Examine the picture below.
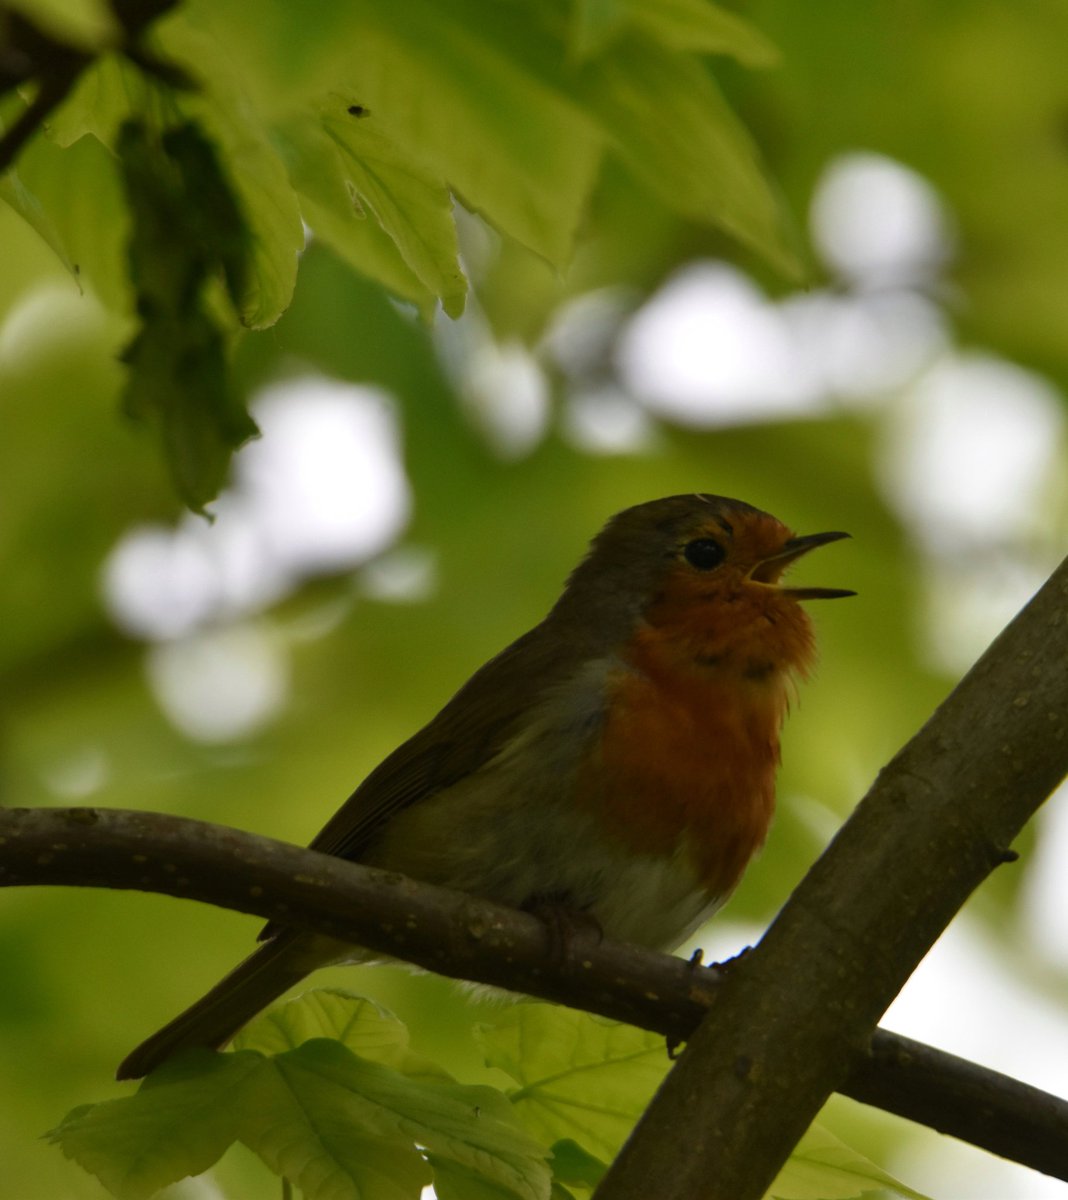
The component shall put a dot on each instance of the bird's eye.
(704, 553)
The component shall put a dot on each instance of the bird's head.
(705, 569)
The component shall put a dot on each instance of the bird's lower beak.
(770, 570)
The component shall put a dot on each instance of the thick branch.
(940, 1090)
(792, 1022)
(466, 938)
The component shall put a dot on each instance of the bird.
(616, 762)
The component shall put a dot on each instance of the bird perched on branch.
(618, 761)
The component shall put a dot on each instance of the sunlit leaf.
(107, 93)
(179, 1123)
(671, 125)
(695, 26)
(338, 1126)
(19, 197)
(580, 1077)
(411, 203)
(701, 27)
(452, 1181)
(321, 1092)
(513, 148)
(77, 194)
(364, 1027)
(823, 1168)
(269, 207)
(327, 1140)
(336, 216)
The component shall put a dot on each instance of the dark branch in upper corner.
(30, 55)
(467, 938)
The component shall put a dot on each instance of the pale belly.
(522, 853)
(518, 831)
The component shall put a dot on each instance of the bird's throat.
(688, 755)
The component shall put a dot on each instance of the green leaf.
(179, 1123)
(179, 381)
(109, 92)
(655, 102)
(87, 24)
(337, 1126)
(700, 27)
(273, 215)
(79, 198)
(322, 1093)
(455, 1182)
(593, 24)
(336, 216)
(689, 26)
(112, 91)
(513, 147)
(364, 1027)
(676, 133)
(187, 230)
(585, 1082)
(581, 1077)
(212, 214)
(326, 1139)
(823, 1168)
(347, 164)
(19, 197)
(254, 168)
(573, 1164)
(411, 202)
(269, 206)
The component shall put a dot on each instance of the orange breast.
(687, 760)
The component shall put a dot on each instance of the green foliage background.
(595, 138)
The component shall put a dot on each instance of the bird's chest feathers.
(686, 761)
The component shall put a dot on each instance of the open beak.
(769, 570)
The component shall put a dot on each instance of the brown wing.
(464, 735)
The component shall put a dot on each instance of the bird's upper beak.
(769, 570)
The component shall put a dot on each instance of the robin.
(617, 761)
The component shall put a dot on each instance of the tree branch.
(797, 1015)
(466, 938)
(30, 54)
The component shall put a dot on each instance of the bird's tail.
(214, 1019)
